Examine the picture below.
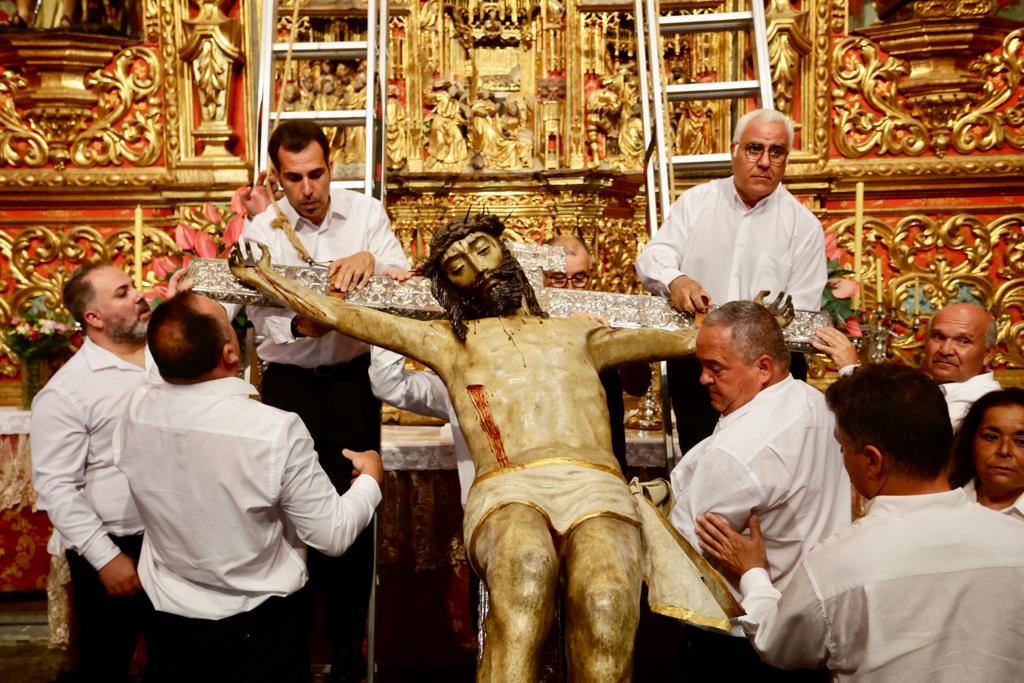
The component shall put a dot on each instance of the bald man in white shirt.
(729, 239)
(230, 492)
(772, 452)
(84, 495)
(928, 586)
(960, 345)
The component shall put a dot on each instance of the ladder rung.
(702, 162)
(348, 184)
(693, 23)
(335, 117)
(723, 90)
(332, 50)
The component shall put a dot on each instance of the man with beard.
(548, 492)
(85, 496)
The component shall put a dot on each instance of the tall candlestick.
(917, 296)
(858, 244)
(138, 248)
(879, 289)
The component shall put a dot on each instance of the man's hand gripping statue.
(548, 496)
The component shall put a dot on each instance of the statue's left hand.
(352, 272)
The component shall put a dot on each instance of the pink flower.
(853, 327)
(164, 266)
(843, 288)
(832, 250)
(236, 201)
(205, 246)
(232, 232)
(185, 237)
(212, 213)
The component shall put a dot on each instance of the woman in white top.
(988, 458)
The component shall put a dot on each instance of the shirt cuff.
(753, 579)
(368, 486)
(847, 370)
(99, 550)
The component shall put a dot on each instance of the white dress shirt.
(73, 420)
(1016, 510)
(423, 393)
(354, 223)
(777, 456)
(960, 396)
(734, 252)
(230, 492)
(924, 588)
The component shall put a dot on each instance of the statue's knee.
(527, 575)
(607, 609)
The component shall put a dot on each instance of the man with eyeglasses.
(633, 378)
(727, 240)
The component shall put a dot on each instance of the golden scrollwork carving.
(860, 72)
(953, 258)
(41, 258)
(67, 110)
(212, 50)
(788, 43)
(944, 84)
(127, 124)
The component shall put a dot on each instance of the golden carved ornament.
(912, 107)
(788, 43)
(52, 111)
(41, 259)
(955, 258)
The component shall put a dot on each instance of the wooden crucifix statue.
(548, 496)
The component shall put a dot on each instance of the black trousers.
(338, 408)
(267, 644)
(108, 627)
(706, 656)
(691, 404)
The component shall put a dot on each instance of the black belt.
(356, 367)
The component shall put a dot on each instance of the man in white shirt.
(85, 497)
(315, 371)
(961, 343)
(230, 493)
(729, 239)
(773, 452)
(927, 587)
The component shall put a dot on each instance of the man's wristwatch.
(295, 328)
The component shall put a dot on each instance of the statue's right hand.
(365, 462)
(686, 294)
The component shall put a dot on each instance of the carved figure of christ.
(532, 408)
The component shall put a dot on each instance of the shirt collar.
(224, 386)
(971, 491)
(742, 205)
(764, 396)
(100, 358)
(339, 208)
(954, 388)
(897, 506)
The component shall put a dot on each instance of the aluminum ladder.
(373, 50)
(660, 167)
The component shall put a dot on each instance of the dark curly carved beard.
(496, 293)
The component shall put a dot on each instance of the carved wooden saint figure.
(548, 496)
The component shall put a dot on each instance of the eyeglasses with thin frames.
(776, 153)
(561, 280)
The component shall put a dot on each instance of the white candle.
(858, 244)
(138, 248)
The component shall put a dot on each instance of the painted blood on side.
(478, 394)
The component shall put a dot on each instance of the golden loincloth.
(565, 492)
(680, 582)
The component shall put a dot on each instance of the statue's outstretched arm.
(424, 341)
(611, 347)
